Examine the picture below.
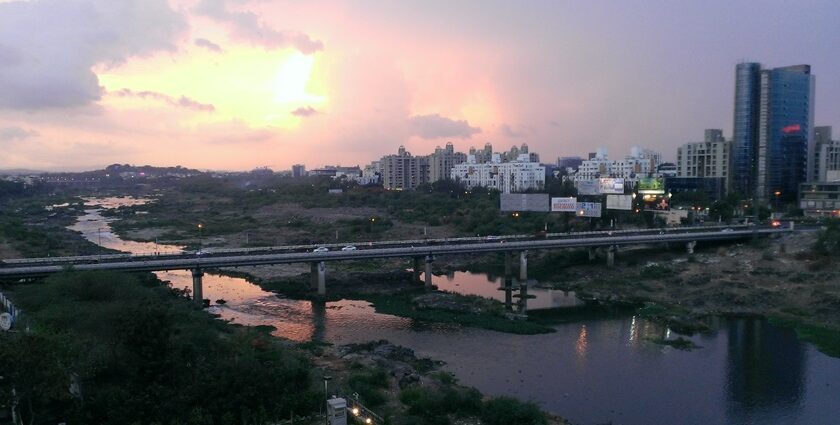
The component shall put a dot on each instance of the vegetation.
(438, 406)
(825, 338)
(828, 242)
(402, 304)
(370, 384)
(132, 353)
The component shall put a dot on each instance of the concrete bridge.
(420, 251)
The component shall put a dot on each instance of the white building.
(507, 177)
(640, 163)
(704, 159)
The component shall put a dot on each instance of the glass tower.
(773, 134)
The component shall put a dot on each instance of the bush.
(506, 411)
(435, 407)
(828, 242)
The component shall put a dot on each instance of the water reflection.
(765, 370)
(498, 288)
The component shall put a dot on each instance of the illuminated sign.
(651, 185)
(792, 128)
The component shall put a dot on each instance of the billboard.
(588, 209)
(657, 203)
(563, 204)
(524, 202)
(651, 185)
(611, 185)
(620, 202)
(588, 187)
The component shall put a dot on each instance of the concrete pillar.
(690, 246)
(318, 277)
(791, 226)
(198, 289)
(416, 272)
(508, 266)
(591, 254)
(428, 271)
(523, 297)
(523, 266)
(611, 256)
(322, 279)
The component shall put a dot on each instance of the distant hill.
(19, 171)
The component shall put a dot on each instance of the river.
(746, 371)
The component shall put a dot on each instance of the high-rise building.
(826, 156)
(709, 158)
(404, 171)
(442, 161)
(713, 135)
(298, 170)
(773, 150)
(507, 177)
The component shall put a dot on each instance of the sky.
(239, 84)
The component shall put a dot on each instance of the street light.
(777, 193)
(200, 226)
(326, 398)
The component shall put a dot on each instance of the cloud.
(58, 42)
(248, 27)
(304, 111)
(209, 45)
(15, 133)
(436, 126)
(182, 102)
(508, 131)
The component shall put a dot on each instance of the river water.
(747, 371)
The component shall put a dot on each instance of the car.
(492, 238)
(727, 230)
(321, 249)
(349, 248)
(775, 223)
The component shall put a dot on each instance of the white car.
(321, 249)
(349, 248)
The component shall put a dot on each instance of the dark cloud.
(15, 133)
(182, 102)
(57, 42)
(247, 26)
(209, 45)
(435, 126)
(304, 111)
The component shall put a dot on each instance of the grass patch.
(826, 339)
(401, 305)
(680, 343)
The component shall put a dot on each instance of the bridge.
(417, 250)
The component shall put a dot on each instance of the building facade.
(507, 177)
(404, 171)
(442, 161)
(709, 158)
(773, 150)
(820, 199)
(640, 163)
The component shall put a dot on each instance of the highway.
(41, 267)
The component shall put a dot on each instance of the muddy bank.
(404, 389)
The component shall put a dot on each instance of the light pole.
(200, 244)
(777, 193)
(326, 398)
(99, 232)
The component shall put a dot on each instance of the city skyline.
(215, 84)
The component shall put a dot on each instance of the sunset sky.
(238, 84)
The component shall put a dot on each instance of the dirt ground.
(778, 277)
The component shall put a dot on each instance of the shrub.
(506, 411)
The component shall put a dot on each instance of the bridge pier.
(198, 289)
(428, 271)
(523, 297)
(591, 254)
(416, 269)
(523, 266)
(611, 255)
(689, 246)
(318, 274)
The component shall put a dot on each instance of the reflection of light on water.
(633, 331)
(582, 342)
(466, 283)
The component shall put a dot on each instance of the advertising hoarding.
(588, 187)
(524, 202)
(620, 202)
(563, 204)
(651, 185)
(588, 209)
(656, 202)
(611, 185)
